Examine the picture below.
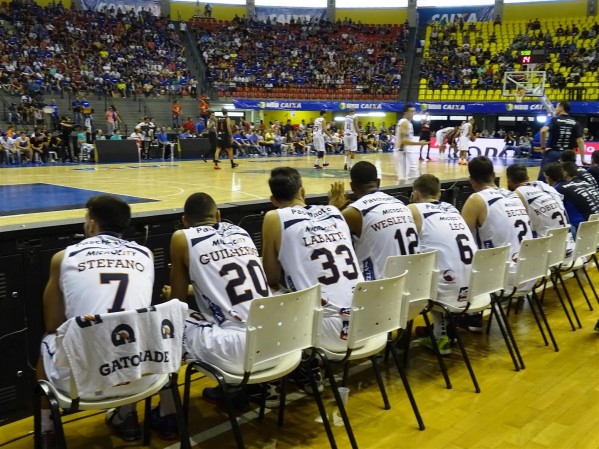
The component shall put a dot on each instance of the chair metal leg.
(536, 317)
(561, 280)
(463, 351)
(510, 342)
(330, 375)
(231, 412)
(43, 390)
(187, 389)
(555, 283)
(181, 421)
(535, 299)
(442, 366)
(406, 385)
(263, 391)
(282, 399)
(379, 381)
(584, 293)
(345, 374)
(586, 274)
(147, 414)
(323, 413)
(405, 339)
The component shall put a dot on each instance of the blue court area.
(33, 198)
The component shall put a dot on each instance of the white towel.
(110, 349)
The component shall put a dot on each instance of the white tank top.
(349, 128)
(545, 209)
(225, 271)
(388, 229)
(318, 128)
(507, 222)
(444, 229)
(406, 148)
(104, 274)
(316, 248)
(465, 130)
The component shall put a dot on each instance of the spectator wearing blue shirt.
(200, 126)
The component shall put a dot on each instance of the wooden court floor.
(552, 404)
(170, 183)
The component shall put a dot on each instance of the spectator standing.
(176, 112)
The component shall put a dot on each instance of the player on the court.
(495, 216)
(407, 146)
(304, 245)
(350, 138)
(441, 135)
(543, 203)
(318, 133)
(101, 274)
(224, 129)
(381, 225)
(466, 137)
(442, 228)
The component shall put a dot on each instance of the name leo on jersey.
(134, 360)
(323, 238)
(390, 222)
(227, 253)
(111, 263)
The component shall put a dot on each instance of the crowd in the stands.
(51, 48)
(314, 54)
(459, 57)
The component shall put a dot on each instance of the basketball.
(472, 138)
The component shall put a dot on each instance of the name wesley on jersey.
(391, 221)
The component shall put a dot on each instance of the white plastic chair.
(376, 310)
(595, 217)
(585, 248)
(489, 271)
(70, 402)
(531, 267)
(279, 328)
(422, 283)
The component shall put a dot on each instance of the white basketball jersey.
(406, 148)
(104, 274)
(465, 130)
(315, 248)
(349, 129)
(225, 271)
(318, 128)
(444, 229)
(507, 222)
(388, 229)
(546, 210)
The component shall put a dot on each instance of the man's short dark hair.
(407, 107)
(570, 168)
(111, 213)
(363, 173)
(284, 183)
(323, 112)
(199, 207)
(428, 186)
(555, 171)
(568, 156)
(565, 105)
(481, 170)
(595, 157)
(517, 173)
(224, 111)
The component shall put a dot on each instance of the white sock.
(167, 403)
(122, 413)
(345, 160)
(47, 423)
